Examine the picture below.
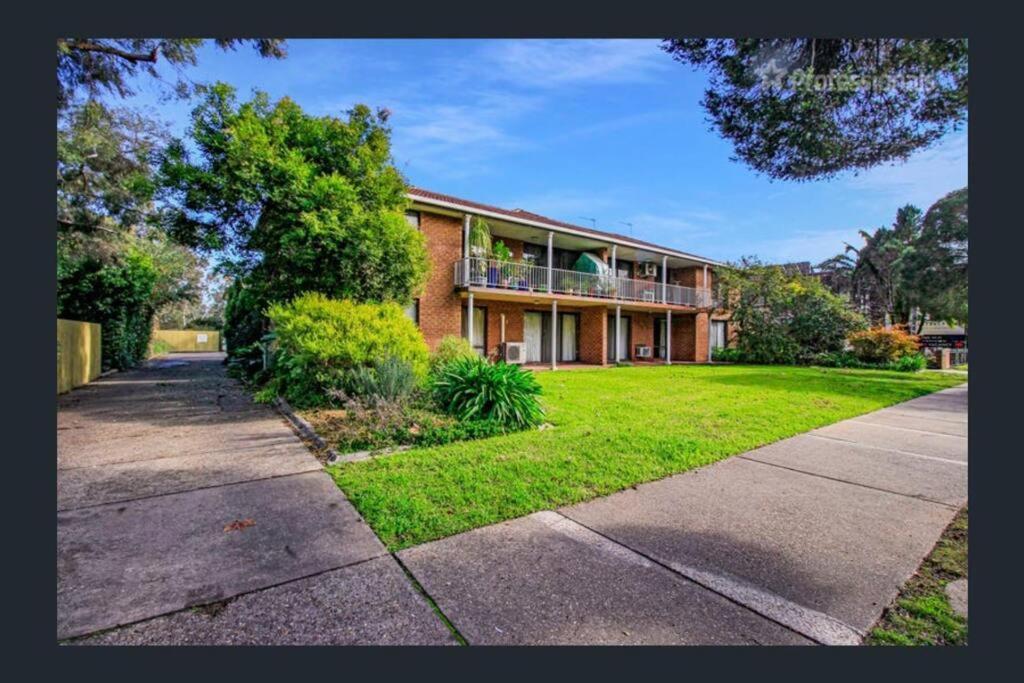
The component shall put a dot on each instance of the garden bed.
(361, 428)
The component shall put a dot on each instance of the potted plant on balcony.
(479, 250)
(503, 268)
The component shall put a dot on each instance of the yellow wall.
(186, 340)
(78, 354)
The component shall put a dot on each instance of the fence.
(183, 341)
(78, 354)
(480, 272)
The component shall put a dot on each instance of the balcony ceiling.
(532, 235)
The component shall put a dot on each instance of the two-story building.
(566, 294)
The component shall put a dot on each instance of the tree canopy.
(303, 203)
(810, 108)
(915, 268)
(100, 65)
(785, 317)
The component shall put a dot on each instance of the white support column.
(618, 327)
(554, 334)
(465, 249)
(469, 319)
(664, 279)
(615, 272)
(668, 337)
(707, 294)
(551, 259)
(709, 337)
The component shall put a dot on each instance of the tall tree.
(303, 203)
(937, 270)
(100, 65)
(104, 168)
(916, 268)
(810, 108)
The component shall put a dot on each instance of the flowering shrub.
(879, 345)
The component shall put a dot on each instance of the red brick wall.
(594, 335)
(642, 332)
(701, 338)
(440, 306)
(513, 323)
(683, 337)
(515, 246)
(691, 277)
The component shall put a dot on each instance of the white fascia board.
(557, 228)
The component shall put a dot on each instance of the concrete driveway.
(803, 541)
(194, 516)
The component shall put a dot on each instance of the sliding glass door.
(661, 338)
(623, 338)
(533, 323)
(537, 337)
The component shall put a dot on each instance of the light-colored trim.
(558, 228)
(554, 334)
(668, 337)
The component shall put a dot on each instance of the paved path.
(803, 541)
(174, 490)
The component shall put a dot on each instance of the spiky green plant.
(474, 389)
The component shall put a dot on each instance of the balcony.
(524, 277)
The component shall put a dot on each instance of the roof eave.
(456, 206)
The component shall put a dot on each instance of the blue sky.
(605, 129)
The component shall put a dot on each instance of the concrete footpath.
(186, 514)
(803, 541)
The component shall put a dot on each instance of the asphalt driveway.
(186, 514)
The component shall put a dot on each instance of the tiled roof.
(537, 218)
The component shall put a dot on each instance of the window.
(535, 254)
(479, 328)
(718, 334)
(413, 311)
(413, 218)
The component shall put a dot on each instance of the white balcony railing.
(480, 272)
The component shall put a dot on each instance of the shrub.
(911, 363)
(389, 381)
(321, 341)
(724, 354)
(784, 318)
(837, 359)
(450, 348)
(879, 345)
(117, 294)
(473, 389)
(244, 326)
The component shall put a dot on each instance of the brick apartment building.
(657, 301)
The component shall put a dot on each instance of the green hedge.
(321, 340)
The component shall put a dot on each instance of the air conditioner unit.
(643, 351)
(648, 269)
(513, 352)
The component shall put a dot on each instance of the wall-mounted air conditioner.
(643, 351)
(513, 352)
(648, 269)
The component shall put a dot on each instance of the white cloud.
(551, 63)
(802, 245)
(921, 180)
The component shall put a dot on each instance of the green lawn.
(613, 428)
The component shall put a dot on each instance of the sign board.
(202, 338)
(944, 341)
